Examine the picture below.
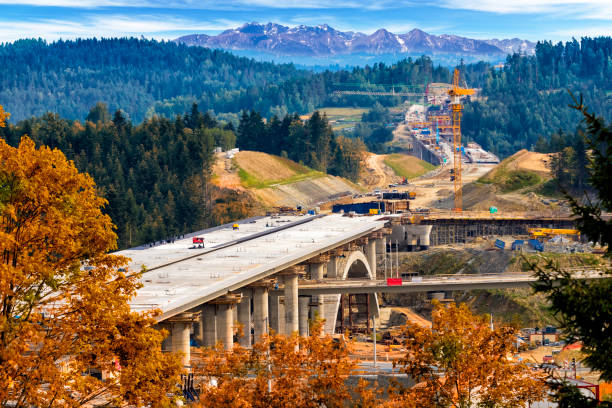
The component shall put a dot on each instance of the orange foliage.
(461, 362)
(301, 371)
(3, 116)
(63, 299)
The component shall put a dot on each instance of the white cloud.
(593, 9)
(217, 5)
(582, 32)
(108, 26)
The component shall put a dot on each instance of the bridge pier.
(225, 318)
(180, 341)
(304, 302)
(226, 327)
(370, 252)
(290, 279)
(261, 318)
(208, 325)
(317, 269)
(274, 312)
(244, 318)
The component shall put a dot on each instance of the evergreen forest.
(525, 99)
(156, 175)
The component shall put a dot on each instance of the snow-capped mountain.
(324, 40)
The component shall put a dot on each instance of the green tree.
(99, 113)
(583, 307)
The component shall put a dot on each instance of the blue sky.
(529, 19)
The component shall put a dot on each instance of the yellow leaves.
(473, 359)
(3, 116)
(64, 299)
(302, 372)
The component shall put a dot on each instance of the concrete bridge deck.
(181, 278)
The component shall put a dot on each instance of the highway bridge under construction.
(274, 273)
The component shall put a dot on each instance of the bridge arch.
(355, 265)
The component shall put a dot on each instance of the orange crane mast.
(456, 93)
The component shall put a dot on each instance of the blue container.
(500, 244)
(359, 208)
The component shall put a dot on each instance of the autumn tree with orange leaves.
(279, 371)
(461, 362)
(63, 299)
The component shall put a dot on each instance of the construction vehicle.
(456, 93)
(235, 227)
(545, 233)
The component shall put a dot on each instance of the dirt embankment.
(380, 170)
(274, 181)
(521, 161)
(513, 185)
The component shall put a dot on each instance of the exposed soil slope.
(274, 181)
(384, 169)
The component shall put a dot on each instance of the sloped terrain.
(515, 184)
(274, 181)
(383, 169)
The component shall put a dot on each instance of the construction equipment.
(542, 233)
(456, 93)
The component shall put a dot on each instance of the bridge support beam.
(274, 312)
(180, 341)
(290, 279)
(260, 311)
(304, 302)
(370, 252)
(208, 325)
(316, 274)
(291, 303)
(381, 248)
(225, 323)
(225, 318)
(244, 318)
(332, 267)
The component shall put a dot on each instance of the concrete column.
(291, 304)
(332, 267)
(209, 325)
(225, 325)
(370, 252)
(244, 318)
(316, 274)
(282, 323)
(167, 342)
(316, 271)
(304, 302)
(260, 311)
(273, 307)
(180, 341)
(381, 245)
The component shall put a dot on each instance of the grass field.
(519, 171)
(343, 117)
(407, 166)
(260, 170)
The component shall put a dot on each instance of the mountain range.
(323, 40)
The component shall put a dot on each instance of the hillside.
(275, 181)
(380, 170)
(517, 183)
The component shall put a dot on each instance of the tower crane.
(456, 93)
